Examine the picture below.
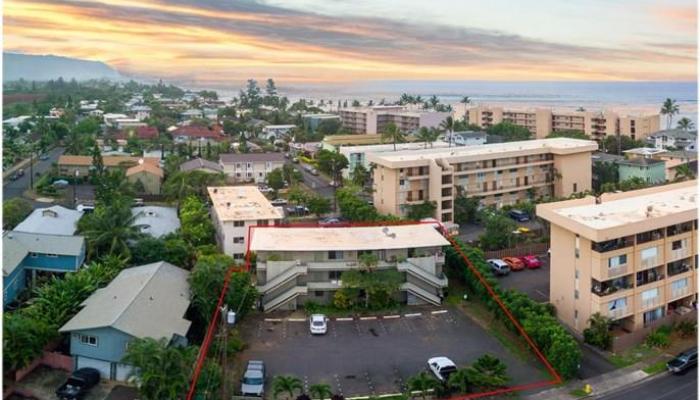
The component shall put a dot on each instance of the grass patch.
(656, 368)
(634, 355)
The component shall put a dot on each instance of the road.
(316, 182)
(12, 189)
(668, 387)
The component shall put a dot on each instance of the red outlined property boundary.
(556, 378)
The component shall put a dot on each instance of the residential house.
(24, 254)
(299, 264)
(200, 164)
(650, 170)
(630, 256)
(139, 132)
(110, 119)
(275, 132)
(146, 176)
(141, 112)
(234, 209)
(148, 301)
(191, 113)
(68, 165)
(673, 138)
(156, 221)
(467, 138)
(248, 167)
(196, 135)
(54, 220)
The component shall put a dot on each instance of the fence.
(535, 248)
(50, 359)
(631, 339)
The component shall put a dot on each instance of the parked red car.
(514, 263)
(531, 261)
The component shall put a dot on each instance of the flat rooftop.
(241, 203)
(390, 147)
(555, 145)
(632, 212)
(346, 238)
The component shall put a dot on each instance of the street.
(316, 182)
(16, 188)
(676, 387)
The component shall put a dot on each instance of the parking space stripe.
(273, 320)
(413, 315)
(344, 319)
(438, 312)
(391, 316)
(296, 319)
(368, 318)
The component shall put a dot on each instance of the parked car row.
(501, 267)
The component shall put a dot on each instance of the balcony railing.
(605, 290)
(611, 245)
(618, 312)
(678, 268)
(619, 270)
(680, 292)
(651, 302)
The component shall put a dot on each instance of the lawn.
(657, 367)
(634, 355)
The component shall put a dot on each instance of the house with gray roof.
(54, 220)
(147, 301)
(650, 170)
(249, 167)
(676, 138)
(200, 164)
(156, 221)
(26, 254)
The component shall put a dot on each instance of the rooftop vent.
(228, 204)
(216, 190)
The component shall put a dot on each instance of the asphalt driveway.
(374, 356)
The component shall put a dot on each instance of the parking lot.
(377, 355)
(533, 282)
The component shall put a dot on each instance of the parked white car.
(498, 266)
(318, 324)
(441, 367)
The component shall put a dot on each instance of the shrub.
(686, 328)
(659, 338)
(598, 334)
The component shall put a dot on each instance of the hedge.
(538, 320)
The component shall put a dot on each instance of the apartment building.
(630, 256)
(541, 122)
(249, 167)
(373, 120)
(299, 264)
(234, 209)
(357, 155)
(498, 174)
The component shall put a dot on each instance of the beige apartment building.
(498, 174)
(541, 122)
(299, 264)
(629, 256)
(250, 167)
(373, 120)
(234, 209)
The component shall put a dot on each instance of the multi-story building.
(649, 170)
(357, 155)
(498, 174)
(249, 167)
(673, 138)
(632, 256)
(298, 264)
(313, 120)
(234, 209)
(541, 122)
(373, 120)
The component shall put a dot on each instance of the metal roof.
(56, 220)
(16, 246)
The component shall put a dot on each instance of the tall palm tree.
(684, 172)
(109, 229)
(425, 136)
(669, 109)
(286, 384)
(465, 100)
(685, 123)
(459, 380)
(393, 133)
(448, 126)
(320, 391)
(422, 383)
(434, 101)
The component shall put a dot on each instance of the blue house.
(24, 254)
(145, 301)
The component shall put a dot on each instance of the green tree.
(320, 391)
(427, 136)
(604, 173)
(684, 173)
(393, 134)
(329, 127)
(171, 248)
(569, 133)
(669, 108)
(23, 339)
(353, 207)
(498, 233)
(509, 132)
(297, 195)
(416, 212)
(15, 211)
(465, 207)
(207, 281)
(275, 179)
(488, 372)
(111, 185)
(360, 176)
(162, 371)
(287, 384)
(318, 205)
(619, 143)
(332, 163)
(109, 229)
(98, 165)
(196, 227)
(423, 383)
(459, 381)
(598, 331)
(686, 124)
(448, 126)
(182, 184)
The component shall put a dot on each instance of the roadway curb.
(364, 318)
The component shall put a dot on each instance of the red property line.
(212, 324)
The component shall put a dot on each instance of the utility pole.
(31, 169)
(224, 364)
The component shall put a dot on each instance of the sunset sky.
(218, 42)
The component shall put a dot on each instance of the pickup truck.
(78, 384)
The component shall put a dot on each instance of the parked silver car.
(253, 382)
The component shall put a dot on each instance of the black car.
(78, 384)
(684, 361)
(519, 215)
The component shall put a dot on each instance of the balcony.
(612, 245)
(650, 236)
(650, 303)
(650, 276)
(609, 287)
(678, 267)
(679, 229)
(619, 312)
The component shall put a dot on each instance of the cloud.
(237, 37)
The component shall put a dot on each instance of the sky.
(218, 42)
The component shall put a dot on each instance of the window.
(88, 340)
(650, 294)
(401, 182)
(677, 245)
(617, 304)
(576, 294)
(576, 246)
(576, 274)
(249, 165)
(334, 276)
(238, 256)
(238, 239)
(649, 253)
(679, 284)
(238, 223)
(575, 313)
(318, 293)
(614, 262)
(335, 255)
(575, 187)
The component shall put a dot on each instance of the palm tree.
(448, 125)
(393, 134)
(425, 136)
(488, 372)
(684, 172)
(669, 109)
(368, 261)
(320, 391)
(685, 123)
(109, 229)
(434, 101)
(459, 381)
(422, 383)
(465, 100)
(286, 384)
